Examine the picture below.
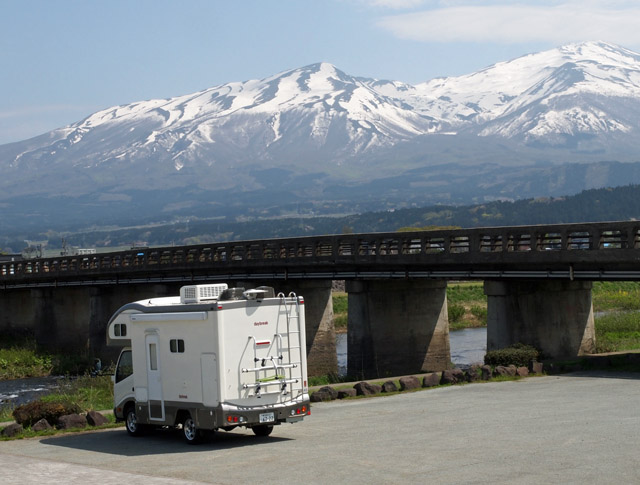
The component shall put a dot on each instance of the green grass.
(618, 331)
(340, 306)
(21, 358)
(616, 295)
(467, 305)
(467, 292)
(6, 413)
(89, 393)
(18, 362)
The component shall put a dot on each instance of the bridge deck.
(576, 251)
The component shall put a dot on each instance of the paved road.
(579, 428)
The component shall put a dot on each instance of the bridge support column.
(556, 317)
(397, 327)
(70, 319)
(16, 314)
(320, 331)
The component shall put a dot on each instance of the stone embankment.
(452, 376)
(68, 421)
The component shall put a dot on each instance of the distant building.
(9, 258)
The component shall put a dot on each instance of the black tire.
(134, 428)
(190, 433)
(262, 429)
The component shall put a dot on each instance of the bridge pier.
(320, 331)
(556, 317)
(71, 319)
(397, 327)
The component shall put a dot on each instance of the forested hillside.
(621, 203)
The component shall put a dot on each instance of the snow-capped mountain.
(317, 108)
(555, 92)
(319, 133)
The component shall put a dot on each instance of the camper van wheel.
(133, 427)
(262, 430)
(191, 434)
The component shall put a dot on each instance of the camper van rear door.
(154, 379)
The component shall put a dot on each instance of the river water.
(20, 391)
(468, 346)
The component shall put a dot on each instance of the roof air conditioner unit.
(201, 293)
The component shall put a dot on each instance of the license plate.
(267, 417)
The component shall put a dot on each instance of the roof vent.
(201, 293)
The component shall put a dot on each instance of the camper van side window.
(153, 357)
(120, 330)
(125, 366)
(176, 345)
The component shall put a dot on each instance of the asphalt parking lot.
(575, 428)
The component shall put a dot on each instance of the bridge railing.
(447, 246)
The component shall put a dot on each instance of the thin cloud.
(565, 22)
(395, 4)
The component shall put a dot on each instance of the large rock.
(522, 371)
(431, 380)
(452, 376)
(473, 373)
(487, 373)
(41, 425)
(344, 393)
(367, 389)
(389, 386)
(12, 430)
(94, 418)
(326, 393)
(509, 371)
(409, 382)
(69, 421)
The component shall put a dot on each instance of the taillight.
(232, 419)
(301, 410)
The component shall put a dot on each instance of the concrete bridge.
(537, 278)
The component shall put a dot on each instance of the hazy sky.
(65, 59)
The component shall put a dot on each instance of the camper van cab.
(212, 358)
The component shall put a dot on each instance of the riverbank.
(87, 392)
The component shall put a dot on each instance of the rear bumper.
(289, 412)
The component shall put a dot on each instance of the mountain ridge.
(317, 135)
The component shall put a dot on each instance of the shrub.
(518, 354)
(31, 413)
(455, 312)
(340, 321)
(480, 313)
(17, 362)
(340, 302)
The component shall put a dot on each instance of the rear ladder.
(282, 375)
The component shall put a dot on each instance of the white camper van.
(212, 358)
